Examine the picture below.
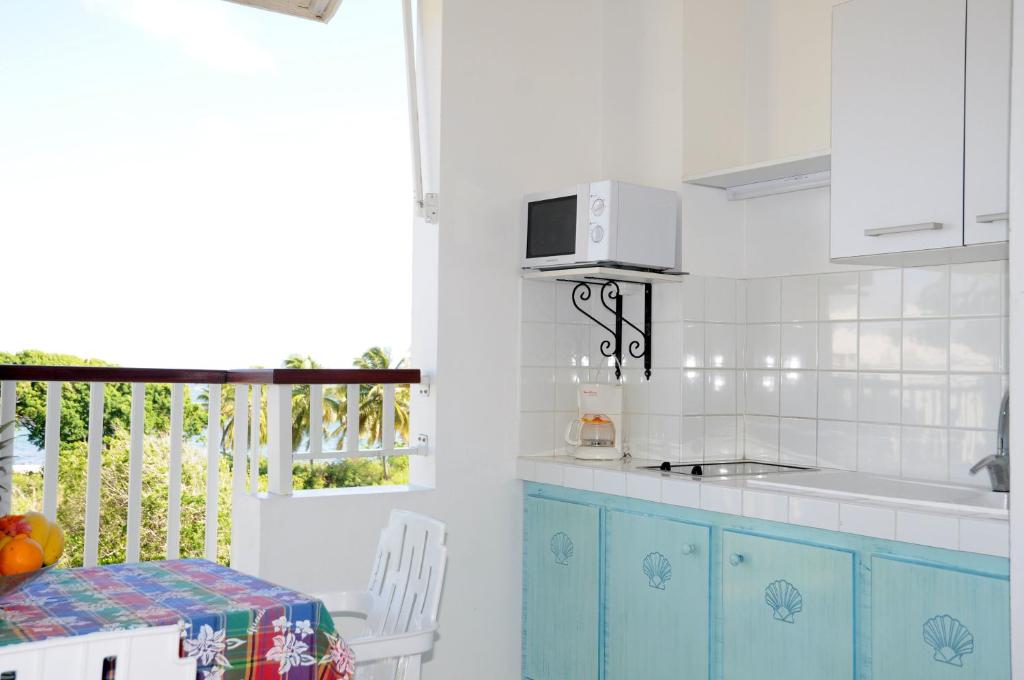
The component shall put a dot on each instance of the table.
(235, 626)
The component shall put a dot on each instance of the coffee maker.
(596, 432)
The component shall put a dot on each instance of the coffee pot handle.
(572, 432)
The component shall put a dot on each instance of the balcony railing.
(246, 451)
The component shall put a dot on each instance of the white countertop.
(947, 516)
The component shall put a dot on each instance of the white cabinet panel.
(986, 151)
(897, 126)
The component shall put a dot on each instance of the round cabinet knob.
(596, 233)
(689, 549)
(597, 207)
(735, 559)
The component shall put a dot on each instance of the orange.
(20, 555)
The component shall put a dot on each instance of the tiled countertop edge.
(950, 531)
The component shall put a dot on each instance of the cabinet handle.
(689, 549)
(992, 217)
(735, 559)
(903, 229)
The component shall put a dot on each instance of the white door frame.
(1017, 337)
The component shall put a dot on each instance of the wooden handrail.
(252, 376)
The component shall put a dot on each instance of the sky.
(200, 184)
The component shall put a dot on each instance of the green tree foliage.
(28, 495)
(74, 421)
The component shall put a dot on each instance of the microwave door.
(552, 233)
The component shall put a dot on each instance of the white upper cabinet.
(897, 125)
(915, 83)
(987, 147)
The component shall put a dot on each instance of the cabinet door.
(787, 609)
(938, 623)
(561, 541)
(897, 126)
(987, 127)
(656, 598)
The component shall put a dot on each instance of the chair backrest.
(408, 574)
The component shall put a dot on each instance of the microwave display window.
(551, 227)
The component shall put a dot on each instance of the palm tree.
(227, 414)
(332, 406)
(371, 402)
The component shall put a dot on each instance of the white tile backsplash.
(837, 395)
(925, 400)
(799, 346)
(693, 344)
(798, 394)
(878, 449)
(926, 291)
(977, 288)
(879, 398)
(974, 400)
(762, 395)
(975, 344)
(719, 345)
(904, 368)
(879, 345)
(881, 294)
(720, 390)
(837, 296)
(837, 346)
(837, 444)
(798, 441)
(924, 453)
(925, 345)
(762, 346)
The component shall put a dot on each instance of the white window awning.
(317, 10)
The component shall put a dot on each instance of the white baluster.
(8, 400)
(51, 445)
(174, 472)
(136, 437)
(352, 427)
(256, 413)
(316, 419)
(212, 470)
(388, 419)
(279, 434)
(92, 485)
(241, 412)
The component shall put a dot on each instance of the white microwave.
(606, 223)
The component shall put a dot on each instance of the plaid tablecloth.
(236, 626)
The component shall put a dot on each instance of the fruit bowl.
(15, 582)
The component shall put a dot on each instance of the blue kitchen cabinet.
(787, 609)
(657, 597)
(562, 590)
(938, 622)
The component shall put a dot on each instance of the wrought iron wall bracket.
(610, 296)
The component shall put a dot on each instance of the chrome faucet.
(998, 465)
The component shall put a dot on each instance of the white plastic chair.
(400, 605)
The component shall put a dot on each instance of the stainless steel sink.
(726, 469)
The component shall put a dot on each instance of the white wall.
(509, 120)
(757, 77)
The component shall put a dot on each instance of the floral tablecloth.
(236, 626)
